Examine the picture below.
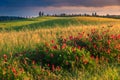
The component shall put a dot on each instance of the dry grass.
(14, 41)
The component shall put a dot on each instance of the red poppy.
(21, 69)
(46, 51)
(33, 62)
(108, 51)
(77, 58)
(73, 49)
(79, 47)
(71, 37)
(90, 39)
(95, 46)
(109, 41)
(97, 59)
(80, 36)
(85, 61)
(58, 68)
(55, 47)
(63, 46)
(52, 41)
(88, 35)
(48, 65)
(92, 57)
(14, 71)
(5, 56)
(83, 32)
(51, 55)
(112, 36)
(64, 40)
(53, 68)
(118, 37)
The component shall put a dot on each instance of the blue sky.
(32, 7)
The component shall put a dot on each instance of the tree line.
(94, 14)
(64, 14)
(7, 18)
(41, 13)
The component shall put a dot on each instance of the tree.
(62, 14)
(92, 14)
(41, 13)
(95, 14)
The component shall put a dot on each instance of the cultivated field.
(50, 48)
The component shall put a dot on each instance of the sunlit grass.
(51, 22)
(18, 42)
(16, 23)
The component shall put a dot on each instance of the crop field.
(60, 48)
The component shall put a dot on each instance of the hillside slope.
(50, 22)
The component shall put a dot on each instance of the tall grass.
(16, 66)
(25, 46)
(19, 41)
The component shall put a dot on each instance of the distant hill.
(113, 16)
(51, 22)
(7, 18)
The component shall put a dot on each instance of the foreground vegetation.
(86, 50)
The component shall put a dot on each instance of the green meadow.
(63, 48)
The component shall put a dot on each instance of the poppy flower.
(33, 62)
(52, 41)
(92, 57)
(14, 71)
(108, 51)
(85, 62)
(109, 41)
(79, 47)
(5, 56)
(53, 68)
(63, 46)
(51, 55)
(118, 37)
(58, 68)
(55, 47)
(48, 65)
(76, 58)
(71, 37)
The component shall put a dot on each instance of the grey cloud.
(45, 3)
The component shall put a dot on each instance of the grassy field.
(50, 22)
(23, 46)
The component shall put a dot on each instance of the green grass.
(26, 40)
(16, 24)
(50, 22)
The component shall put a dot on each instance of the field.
(50, 48)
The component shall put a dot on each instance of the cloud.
(78, 9)
(86, 3)
(32, 7)
(33, 11)
(45, 3)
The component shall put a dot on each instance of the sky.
(32, 7)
